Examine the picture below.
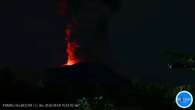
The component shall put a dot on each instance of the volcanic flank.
(83, 78)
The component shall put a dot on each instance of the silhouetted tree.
(6, 74)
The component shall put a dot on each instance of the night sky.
(33, 35)
(143, 29)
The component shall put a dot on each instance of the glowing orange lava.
(71, 48)
(69, 29)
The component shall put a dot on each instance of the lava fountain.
(71, 46)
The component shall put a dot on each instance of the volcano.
(65, 85)
(84, 79)
(84, 71)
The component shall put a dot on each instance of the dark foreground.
(90, 87)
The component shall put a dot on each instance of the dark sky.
(143, 29)
(33, 35)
